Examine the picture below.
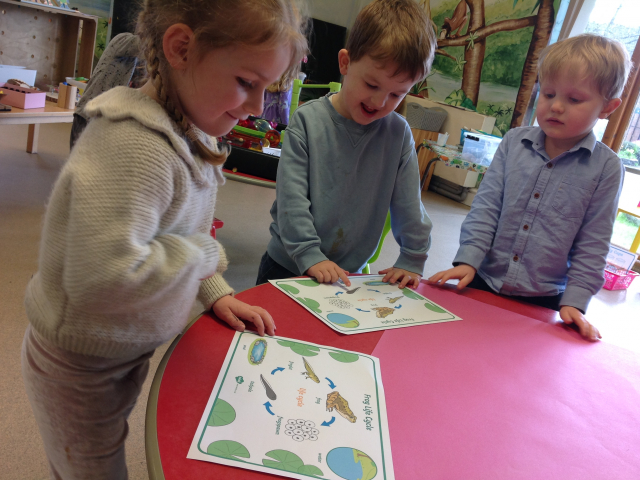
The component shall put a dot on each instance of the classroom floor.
(25, 185)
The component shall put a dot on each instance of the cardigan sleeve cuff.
(470, 255)
(213, 289)
(577, 297)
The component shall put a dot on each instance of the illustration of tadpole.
(394, 299)
(270, 393)
(353, 290)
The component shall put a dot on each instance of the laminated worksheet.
(296, 409)
(367, 305)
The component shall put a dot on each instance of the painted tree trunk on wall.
(539, 40)
(474, 56)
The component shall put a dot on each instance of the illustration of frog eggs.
(314, 431)
(305, 429)
(297, 431)
(291, 421)
(298, 438)
(288, 432)
(289, 427)
(309, 423)
(313, 438)
(300, 422)
(306, 436)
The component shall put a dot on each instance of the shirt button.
(516, 258)
(526, 227)
(536, 195)
(549, 165)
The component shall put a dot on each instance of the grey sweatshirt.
(336, 182)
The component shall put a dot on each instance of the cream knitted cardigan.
(126, 234)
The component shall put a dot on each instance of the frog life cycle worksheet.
(367, 305)
(296, 409)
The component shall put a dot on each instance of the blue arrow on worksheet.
(371, 290)
(328, 424)
(360, 310)
(279, 369)
(338, 293)
(331, 384)
(399, 306)
(268, 406)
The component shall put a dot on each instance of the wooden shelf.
(43, 38)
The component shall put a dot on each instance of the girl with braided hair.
(125, 248)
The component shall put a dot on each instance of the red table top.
(444, 359)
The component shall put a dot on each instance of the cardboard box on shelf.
(24, 98)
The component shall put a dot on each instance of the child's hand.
(392, 275)
(463, 271)
(571, 315)
(328, 272)
(231, 310)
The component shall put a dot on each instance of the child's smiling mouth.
(369, 112)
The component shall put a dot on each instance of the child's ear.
(610, 107)
(343, 61)
(175, 43)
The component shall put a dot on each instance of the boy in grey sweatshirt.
(348, 159)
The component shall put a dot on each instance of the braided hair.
(216, 24)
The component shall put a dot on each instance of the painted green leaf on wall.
(222, 414)
(344, 357)
(228, 449)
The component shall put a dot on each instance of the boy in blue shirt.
(348, 159)
(540, 225)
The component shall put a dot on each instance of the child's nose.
(378, 100)
(255, 102)
(557, 106)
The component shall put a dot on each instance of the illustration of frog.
(382, 312)
(309, 373)
(335, 400)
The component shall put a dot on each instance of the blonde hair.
(604, 61)
(397, 30)
(216, 24)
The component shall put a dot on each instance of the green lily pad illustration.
(407, 292)
(289, 288)
(222, 414)
(434, 308)
(283, 460)
(310, 470)
(300, 348)
(310, 303)
(308, 283)
(344, 357)
(228, 449)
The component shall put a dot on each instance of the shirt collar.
(536, 136)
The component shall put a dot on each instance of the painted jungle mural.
(487, 54)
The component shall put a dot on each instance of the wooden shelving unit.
(53, 41)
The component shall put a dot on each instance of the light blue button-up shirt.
(541, 226)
